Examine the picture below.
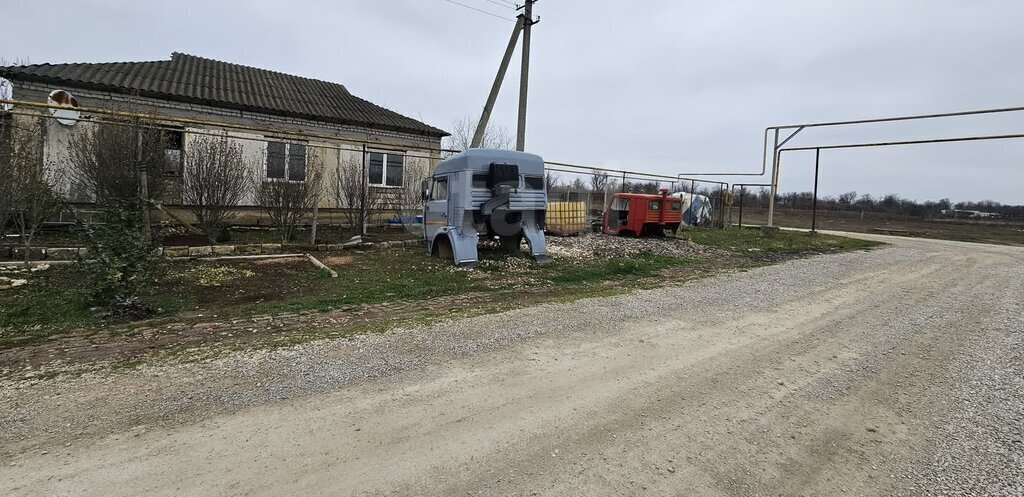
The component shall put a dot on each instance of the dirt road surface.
(891, 372)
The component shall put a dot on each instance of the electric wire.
(482, 11)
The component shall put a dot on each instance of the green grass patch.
(50, 303)
(748, 240)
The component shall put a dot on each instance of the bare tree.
(599, 180)
(578, 185)
(495, 136)
(121, 160)
(551, 181)
(351, 191)
(215, 178)
(288, 202)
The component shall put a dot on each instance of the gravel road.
(897, 371)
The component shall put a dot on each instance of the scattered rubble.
(593, 246)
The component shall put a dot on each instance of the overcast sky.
(668, 86)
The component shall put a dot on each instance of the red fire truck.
(642, 214)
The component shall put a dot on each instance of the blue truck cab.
(489, 194)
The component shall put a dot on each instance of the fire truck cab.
(642, 214)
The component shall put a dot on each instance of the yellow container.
(566, 218)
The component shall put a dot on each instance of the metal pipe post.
(362, 194)
(814, 202)
(775, 179)
(741, 207)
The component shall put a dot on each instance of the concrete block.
(175, 251)
(224, 249)
(200, 251)
(271, 248)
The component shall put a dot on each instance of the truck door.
(435, 211)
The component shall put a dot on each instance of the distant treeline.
(890, 204)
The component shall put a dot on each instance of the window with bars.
(286, 161)
(385, 168)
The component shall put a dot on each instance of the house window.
(286, 161)
(172, 140)
(385, 169)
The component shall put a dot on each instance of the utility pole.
(524, 77)
(481, 125)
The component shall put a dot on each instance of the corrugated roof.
(192, 79)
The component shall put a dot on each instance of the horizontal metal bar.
(901, 118)
(610, 170)
(629, 176)
(907, 142)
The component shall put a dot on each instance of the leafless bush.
(351, 192)
(28, 194)
(7, 159)
(288, 202)
(215, 178)
(121, 160)
(415, 171)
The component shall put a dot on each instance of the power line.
(481, 10)
(502, 4)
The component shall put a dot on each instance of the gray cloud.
(663, 86)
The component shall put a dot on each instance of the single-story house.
(277, 119)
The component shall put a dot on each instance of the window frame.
(384, 168)
(165, 134)
(434, 189)
(287, 161)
